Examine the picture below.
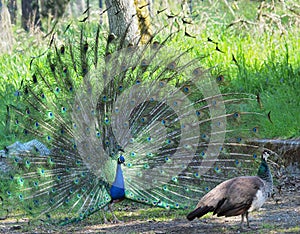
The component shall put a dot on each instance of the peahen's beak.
(265, 155)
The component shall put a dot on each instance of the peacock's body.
(179, 134)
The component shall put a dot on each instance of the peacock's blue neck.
(117, 190)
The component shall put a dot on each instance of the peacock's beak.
(121, 159)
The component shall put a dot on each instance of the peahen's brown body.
(237, 196)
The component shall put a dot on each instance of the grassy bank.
(267, 55)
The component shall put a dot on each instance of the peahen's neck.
(265, 174)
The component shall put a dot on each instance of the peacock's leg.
(116, 220)
(104, 217)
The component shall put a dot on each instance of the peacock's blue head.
(121, 159)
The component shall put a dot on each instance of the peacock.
(98, 123)
(237, 196)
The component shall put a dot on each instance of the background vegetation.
(263, 37)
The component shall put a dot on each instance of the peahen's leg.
(246, 214)
(242, 222)
(248, 225)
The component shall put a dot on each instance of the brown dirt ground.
(278, 215)
(281, 215)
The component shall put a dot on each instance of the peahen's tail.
(180, 134)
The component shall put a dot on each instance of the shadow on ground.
(278, 215)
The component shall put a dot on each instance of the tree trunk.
(88, 7)
(76, 8)
(150, 8)
(191, 6)
(123, 19)
(30, 14)
(6, 34)
(164, 4)
(101, 11)
(144, 19)
(53, 8)
(0, 10)
(12, 8)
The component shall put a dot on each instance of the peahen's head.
(265, 155)
(263, 170)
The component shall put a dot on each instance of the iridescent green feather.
(180, 134)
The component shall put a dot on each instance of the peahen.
(147, 119)
(237, 196)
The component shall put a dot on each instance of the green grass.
(130, 211)
(268, 63)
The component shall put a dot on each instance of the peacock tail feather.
(180, 134)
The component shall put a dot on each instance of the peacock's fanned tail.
(180, 134)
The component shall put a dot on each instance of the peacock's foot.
(115, 221)
(105, 221)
